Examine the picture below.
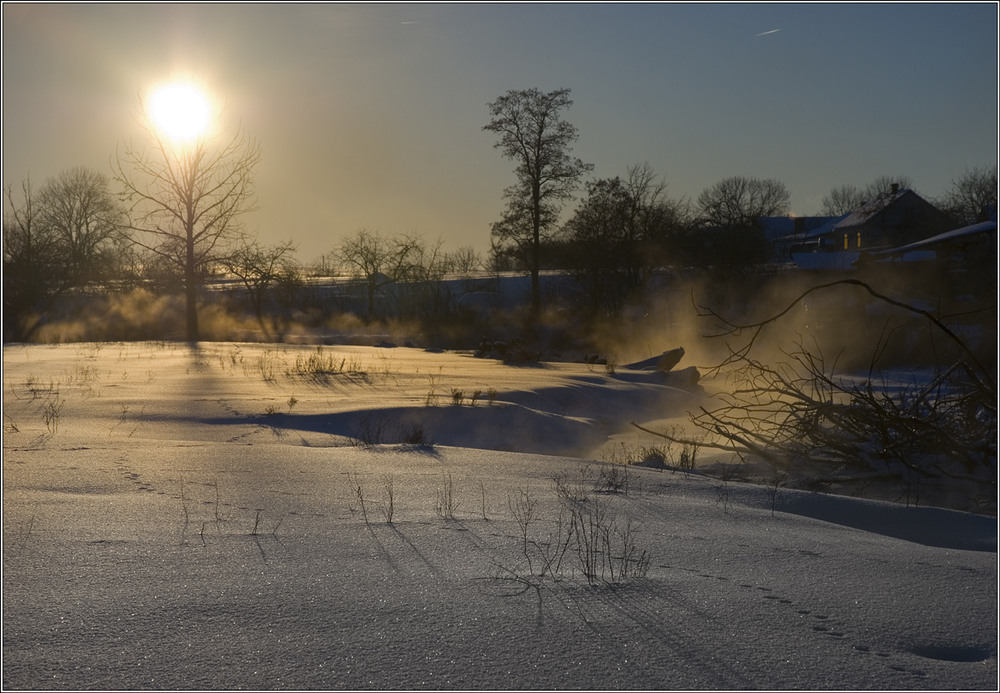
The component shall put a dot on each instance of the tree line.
(169, 217)
(624, 227)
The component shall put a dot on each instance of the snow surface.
(190, 518)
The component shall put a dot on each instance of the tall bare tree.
(532, 133)
(186, 200)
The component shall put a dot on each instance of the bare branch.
(186, 201)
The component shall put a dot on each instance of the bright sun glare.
(181, 111)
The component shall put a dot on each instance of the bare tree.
(465, 261)
(378, 260)
(423, 293)
(845, 199)
(599, 247)
(533, 135)
(971, 196)
(610, 235)
(33, 273)
(646, 191)
(260, 268)
(186, 200)
(651, 219)
(68, 234)
(88, 222)
(740, 201)
(842, 200)
(883, 186)
(732, 209)
(512, 238)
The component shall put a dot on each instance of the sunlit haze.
(181, 110)
(371, 115)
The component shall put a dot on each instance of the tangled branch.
(799, 409)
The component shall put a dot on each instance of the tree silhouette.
(186, 199)
(732, 209)
(845, 199)
(381, 261)
(87, 220)
(69, 233)
(613, 235)
(260, 269)
(532, 134)
(842, 200)
(972, 195)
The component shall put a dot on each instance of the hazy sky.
(371, 115)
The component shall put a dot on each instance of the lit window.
(845, 242)
(859, 239)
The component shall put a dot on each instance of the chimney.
(895, 188)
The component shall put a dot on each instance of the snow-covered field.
(205, 518)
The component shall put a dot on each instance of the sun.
(181, 111)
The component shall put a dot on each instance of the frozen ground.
(192, 519)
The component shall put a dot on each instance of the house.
(789, 235)
(964, 258)
(897, 218)
(892, 220)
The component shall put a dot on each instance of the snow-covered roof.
(870, 209)
(948, 236)
(821, 230)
